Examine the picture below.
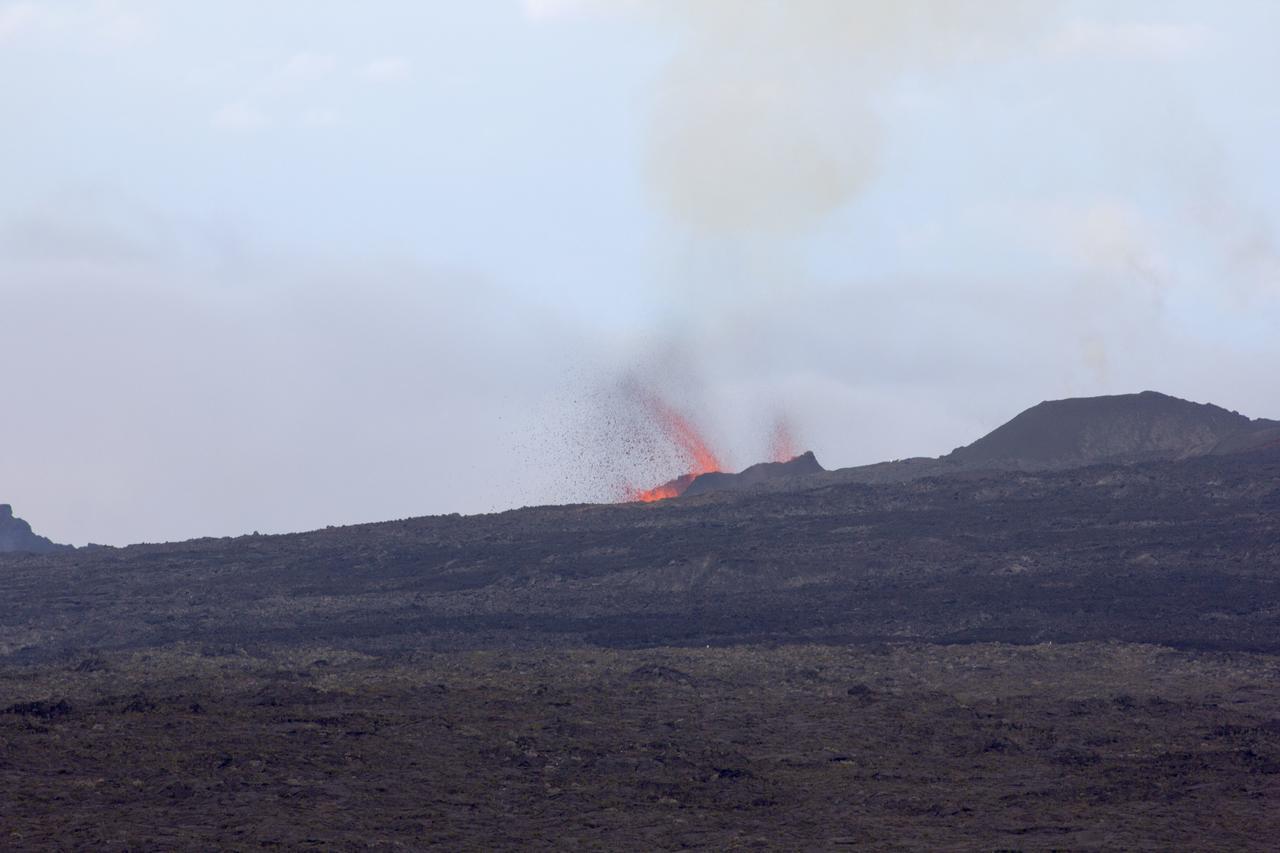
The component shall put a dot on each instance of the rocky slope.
(1182, 553)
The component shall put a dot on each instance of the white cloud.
(278, 92)
(387, 69)
(344, 389)
(549, 8)
(320, 117)
(306, 67)
(117, 23)
(91, 25)
(1132, 40)
(1098, 234)
(544, 9)
(239, 117)
(17, 17)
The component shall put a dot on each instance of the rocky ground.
(1074, 659)
(981, 746)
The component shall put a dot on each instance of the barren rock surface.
(984, 746)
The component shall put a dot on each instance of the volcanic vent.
(703, 469)
(690, 444)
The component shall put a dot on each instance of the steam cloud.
(765, 121)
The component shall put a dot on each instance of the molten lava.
(672, 489)
(677, 429)
(691, 448)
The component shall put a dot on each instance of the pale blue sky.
(279, 265)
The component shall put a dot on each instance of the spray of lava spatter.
(693, 449)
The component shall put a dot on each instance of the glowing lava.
(672, 489)
(677, 429)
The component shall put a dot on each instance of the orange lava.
(699, 456)
(683, 434)
(673, 489)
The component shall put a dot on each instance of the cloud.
(15, 18)
(1083, 38)
(90, 24)
(557, 8)
(1103, 234)
(297, 392)
(766, 120)
(387, 69)
(304, 68)
(293, 80)
(1247, 240)
(239, 117)
(320, 117)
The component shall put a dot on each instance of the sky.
(277, 266)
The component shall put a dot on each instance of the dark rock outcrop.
(764, 472)
(16, 536)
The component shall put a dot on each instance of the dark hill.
(1126, 427)
(16, 536)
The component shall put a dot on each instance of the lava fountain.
(692, 447)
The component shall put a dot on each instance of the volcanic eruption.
(701, 463)
(680, 432)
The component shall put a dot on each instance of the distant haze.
(277, 266)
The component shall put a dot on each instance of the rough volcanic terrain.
(1183, 554)
(795, 747)
(1062, 658)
